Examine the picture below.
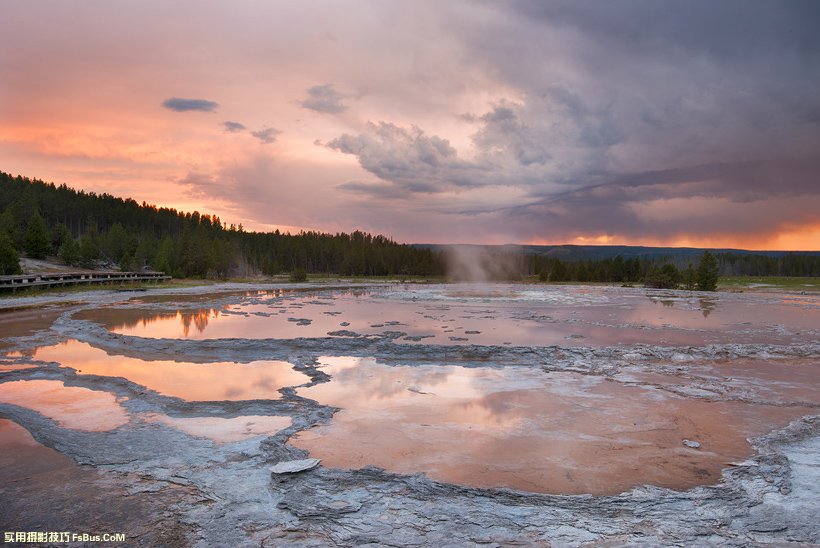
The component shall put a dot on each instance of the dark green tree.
(559, 272)
(117, 242)
(689, 278)
(59, 234)
(9, 259)
(707, 276)
(126, 263)
(665, 277)
(581, 273)
(36, 240)
(89, 252)
(8, 225)
(164, 258)
(70, 251)
(298, 275)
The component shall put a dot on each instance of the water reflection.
(21, 323)
(453, 315)
(186, 319)
(16, 367)
(71, 406)
(259, 380)
(707, 306)
(222, 430)
(21, 457)
(525, 429)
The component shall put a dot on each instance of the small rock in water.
(692, 444)
(300, 321)
(343, 333)
(293, 466)
(344, 324)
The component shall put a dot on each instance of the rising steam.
(475, 263)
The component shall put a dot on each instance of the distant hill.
(604, 262)
(574, 253)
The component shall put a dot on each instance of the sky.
(649, 122)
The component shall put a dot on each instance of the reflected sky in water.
(70, 406)
(258, 380)
(491, 315)
(526, 429)
(224, 430)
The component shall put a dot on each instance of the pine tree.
(9, 259)
(8, 225)
(36, 241)
(70, 251)
(126, 262)
(689, 278)
(559, 272)
(665, 277)
(59, 234)
(89, 252)
(707, 272)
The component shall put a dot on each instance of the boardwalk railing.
(71, 278)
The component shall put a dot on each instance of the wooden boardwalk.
(26, 281)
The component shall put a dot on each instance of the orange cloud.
(804, 237)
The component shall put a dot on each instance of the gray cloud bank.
(266, 135)
(186, 105)
(324, 98)
(632, 118)
(233, 127)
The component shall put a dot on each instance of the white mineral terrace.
(406, 415)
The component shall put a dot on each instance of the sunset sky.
(629, 122)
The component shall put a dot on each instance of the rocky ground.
(160, 486)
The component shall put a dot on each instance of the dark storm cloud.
(233, 127)
(388, 190)
(706, 199)
(266, 135)
(503, 130)
(630, 118)
(324, 99)
(726, 29)
(508, 150)
(185, 105)
(408, 158)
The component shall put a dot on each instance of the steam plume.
(475, 263)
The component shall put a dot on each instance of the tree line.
(657, 273)
(89, 230)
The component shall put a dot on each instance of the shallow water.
(22, 457)
(21, 323)
(510, 424)
(223, 430)
(526, 429)
(258, 380)
(497, 315)
(70, 406)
